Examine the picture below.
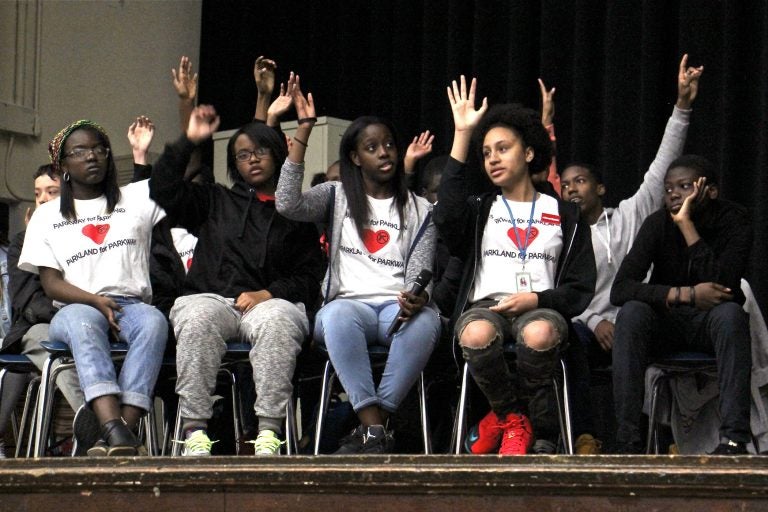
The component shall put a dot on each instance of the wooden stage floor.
(401, 483)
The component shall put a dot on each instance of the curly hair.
(526, 123)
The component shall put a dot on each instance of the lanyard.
(522, 248)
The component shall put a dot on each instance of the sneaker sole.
(86, 430)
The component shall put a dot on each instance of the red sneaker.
(484, 437)
(518, 435)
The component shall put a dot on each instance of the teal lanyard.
(522, 248)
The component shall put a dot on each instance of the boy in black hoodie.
(699, 246)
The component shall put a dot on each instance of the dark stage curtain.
(614, 64)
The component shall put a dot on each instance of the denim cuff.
(136, 399)
(100, 389)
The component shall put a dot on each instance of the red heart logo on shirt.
(375, 240)
(189, 263)
(521, 236)
(96, 232)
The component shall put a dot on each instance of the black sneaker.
(377, 441)
(100, 449)
(85, 428)
(730, 448)
(351, 443)
(544, 447)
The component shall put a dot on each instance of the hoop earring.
(65, 176)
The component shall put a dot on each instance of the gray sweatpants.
(204, 322)
(67, 380)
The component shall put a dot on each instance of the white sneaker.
(267, 443)
(2, 449)
(197, 444)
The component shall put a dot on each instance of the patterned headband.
(57, 143)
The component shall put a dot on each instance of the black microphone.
(423, 279)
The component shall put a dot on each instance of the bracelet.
(693, 296)
(307, 120)
(301, 142)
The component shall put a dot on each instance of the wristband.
(693, 296)
(307, 120)
(301, 142)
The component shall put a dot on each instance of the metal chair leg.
(568, 432)
(424, 415)
(651, 439)
(27, 422)
(322, 408)
(461, 412)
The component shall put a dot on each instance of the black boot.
(121, 441)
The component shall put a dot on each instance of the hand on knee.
(540, 335)
(477, 335)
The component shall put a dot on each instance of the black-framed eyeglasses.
(244, 154)
(83, 153)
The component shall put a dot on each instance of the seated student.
(91, 249)
(32, 311)
(381, 238)
(698, 246)
(614, 229)
(253, 276)
(529, 268)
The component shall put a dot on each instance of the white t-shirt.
(185, 243)
(372, 270)
(101, 253)
(501, 261)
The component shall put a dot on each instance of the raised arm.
(312, 205)
(650, 195)
(187, 202)
(185, 83)
(548, 120)
(264, 76)
(452, 212)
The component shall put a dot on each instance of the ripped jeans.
(529, 390)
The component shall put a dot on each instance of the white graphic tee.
(373, 269)
(501, 265)
(185, 243)
(101, 253)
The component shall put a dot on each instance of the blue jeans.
(86, 331)
(347, 327)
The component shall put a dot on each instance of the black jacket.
(461, 219)
(243, 243)
(720, 256)
(29, 304)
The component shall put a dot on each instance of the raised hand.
(184, 81)
(305, 106)
(282, 103)
(140, 134)
(687, 83)
(465, 116)
(203, 123)
(420, 147)
(264, 75)
(547, 104)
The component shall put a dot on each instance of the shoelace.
(266, 443)
(194, 443)
(514, 437)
